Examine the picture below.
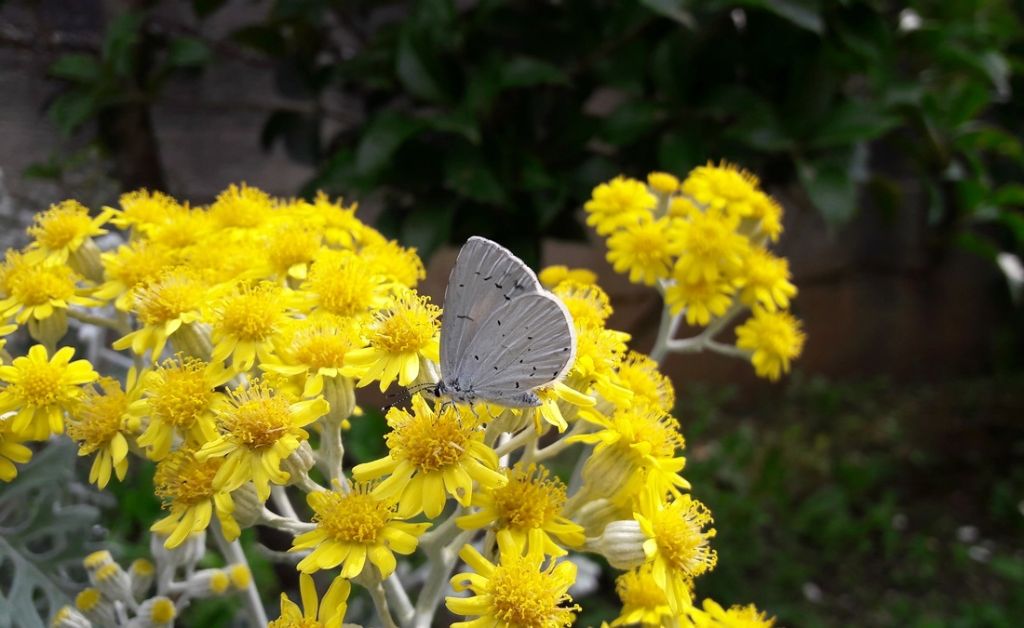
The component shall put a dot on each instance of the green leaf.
(414, 71)
(1009, 194)
(851, 123)
(72, 109)
(831, 183)
(427, 228)
(77, 67)
(262, 38)
(384, 135)
(458, 122)
(672, 9)
(526, 71)
(466, 172)
(185, 52)
(365, 441)
(43, 536)
(119, 43)
(630, 122)
(803, 13)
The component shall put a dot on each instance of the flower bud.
(113, 582)
(50, 329)
(194, 340)
(240, 576)
(208, 582)
(95, 607)
(68, 617)
(300, 461)
(97, 559)
(248, 505)
(141, 573)
(594, 515)
(85, 260)
(189, 552)
(339, 391)
(621, 543)
(156, 612)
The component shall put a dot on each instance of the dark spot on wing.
(464, 316)
(488, 277)
(476, 357)
(462, 285)
(517, 384)
(507, 298)
(499, 325)
(498, 285)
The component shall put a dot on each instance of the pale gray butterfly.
(502, 333)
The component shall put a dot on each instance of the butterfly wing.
(526, 342)
(486, 276)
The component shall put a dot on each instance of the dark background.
(882, 483)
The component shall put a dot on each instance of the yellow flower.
(643, 602)
(401, 336)
(431, 455)
(394, 261)
(342, 284)
(103, 423)
(621, 201)
(180, 401)
(164, 307)
(182, 228)
(354, 527)
(35, 292)
(775, 338)
(340, 225)
(314, 614)
(714, 616)
(142, 209)
(703, 299)
(130, 267)
(645, 250)
(5, 330)
(637, 446)
(724, 187)
(313, 348)
(678, 545)
(259, 429)
(11, 450)
(768, 213)
(551, 276)
(554, 398)
(241, 207)
(598, 353)
(586, 302)
(765, 281)
(291, 249)
(246, 321)
(40, 389)
(530, 500)
(518, 592)
(61, 231)
(663, 182)
(185, 484)
(640, 374)
(710, 248)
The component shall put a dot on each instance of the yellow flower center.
(179, 392)
(100, 416)
(522, 595)
(137, 263)
(40, 384)
(656, 431)
(61, 224)
(251, 313)
(640, 374)
(258, 418)
(243, 206)
(530, 499)
(585, 302)
(747, 617)
(395, 261)
(171, 296)
(430, 441)
(344, 284)
(144, 207)
(407, 326)
(38, 285)
(322, 344)
(290, 246)
(354, 518)
(182, 479)
(678, 531)
(638, 589)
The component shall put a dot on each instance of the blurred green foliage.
(499, 116)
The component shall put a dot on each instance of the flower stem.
(233, 555)
(441, 561)
(399, 599)
(380, 602)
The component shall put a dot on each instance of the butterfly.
(502, 334)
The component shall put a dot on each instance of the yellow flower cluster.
(253, 321)
(703, 242)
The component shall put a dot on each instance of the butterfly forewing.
(486, 277)
(526, 342)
